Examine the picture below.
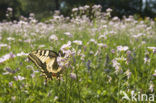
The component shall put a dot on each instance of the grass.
(97, 80)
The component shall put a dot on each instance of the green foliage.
(45, 8)
(97, 79)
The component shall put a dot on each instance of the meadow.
(107, 58)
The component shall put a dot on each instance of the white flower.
(9, 9)
(66, 47)
(117, 66)
(122, 48)
(56, 98)
(102, 36)
(152, 48)
(109, 10)
(3, 45)
(41, 46)
(73, 75)
(102, 45)
(18, 78)
(154, 73)
(74, 9)
(115, 18)
(92, 40)
(138, 35)
(81, 8)
(147, 60)
(128, 73)
(68, 34)
(86, 7)
(10, 84)
(78, 42)
(10, 38)
(120, 59)
(22, 54)
(53, 37)
(151, 88)
(6, 57)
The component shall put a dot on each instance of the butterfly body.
(46, 60)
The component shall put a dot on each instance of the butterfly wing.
(47, 61)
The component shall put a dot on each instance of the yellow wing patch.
(46, 60)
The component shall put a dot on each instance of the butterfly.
(46, 60)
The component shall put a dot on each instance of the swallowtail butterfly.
(46, 60)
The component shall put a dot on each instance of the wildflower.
(109, 10)
(22, 54)
(82, 56)
(91, 52)
(28, 40)
(113, 51)
(41, 46)
(9, 9)
(81, 8)
(33, 75)
(146, 58)
(138, 35)
(102, 36)
(88, 64)
(115, 18)
(33, 34)
(31, 14)
(6, 57)
(86, 7)
(116, 65)
(78, 42)
(79, 52)
(53, 37)
(13, 98)
(74, 9)
(109, 78)
(92, 40)
(20, 78)
(68, 34)
(152, 49)
(73, 76)
(9, 70)
(3, 45)
(129, 56)
(104, 26)
(120, 59)
(10, 84)
(5, 73)
(154, 73)
(55, 98)
(122, 48)
(112, 32)
(102, 45)
(128, 73)
(10, 38)
(68, 52)
(151, 88)
(66, 47)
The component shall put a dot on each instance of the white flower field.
(104, 56)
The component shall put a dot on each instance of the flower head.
(122, 48)
(78, 42)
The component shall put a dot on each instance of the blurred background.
(44, 9)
